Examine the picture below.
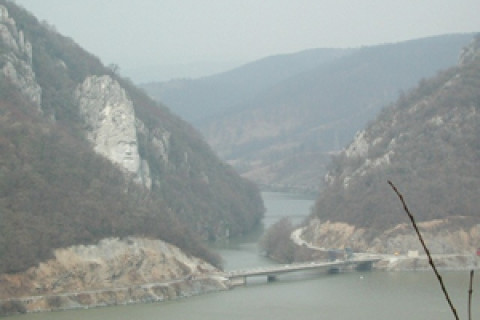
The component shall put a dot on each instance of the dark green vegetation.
(427, 144)
(55, 191)
(279, 130)
(276, 242)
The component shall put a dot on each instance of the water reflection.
(244, 252)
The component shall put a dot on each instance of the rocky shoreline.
(136, 270)
(189, 287)
(454, 240)
(147, 293)
(112, 272)
(449, 262)
(452, 247)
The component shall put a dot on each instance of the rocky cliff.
(427, 144)
(111, 124)
(16, 59)
(113, 271)
(96, 158)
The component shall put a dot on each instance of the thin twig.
(470, 290)
(430, 260)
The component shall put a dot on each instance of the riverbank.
(147, 293)
(189, 287)
(452, 243)
(112, 272)
(443, 262)
(301, 297)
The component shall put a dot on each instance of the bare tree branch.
(470, 296)
(430, 260)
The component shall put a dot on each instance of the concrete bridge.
(239, 277)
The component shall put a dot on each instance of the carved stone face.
(127, 153)
(111, 116)
(3, 13)
(117, 135)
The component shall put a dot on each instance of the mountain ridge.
(281, 137)
(427, 145)
(227, 88)
(58, 187)
(327, 109)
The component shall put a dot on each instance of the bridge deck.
(276, 270)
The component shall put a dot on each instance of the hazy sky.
(136, 34)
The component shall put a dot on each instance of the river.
(313, 295)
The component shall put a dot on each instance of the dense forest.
(427, 143)
(55, 191)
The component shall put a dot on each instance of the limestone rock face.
(425, 142)
(334, 234)
(470, 52)
(111, 124)
(383, 142)
(16, 61)
(112, 263)
(112, 272)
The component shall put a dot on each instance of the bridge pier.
(238, 281)
(271, 278)
(365, 266)
(334, 270)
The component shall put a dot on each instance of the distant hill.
(86, 155)
(199, 100)
(282, 133)
(427, 143)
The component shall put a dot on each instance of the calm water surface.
(314, 295)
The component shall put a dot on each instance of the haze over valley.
(122, 185)
(277, 120)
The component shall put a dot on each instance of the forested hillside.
(427, 143)
(56, 190)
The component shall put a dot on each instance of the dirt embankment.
(112, 272)
(452, 241)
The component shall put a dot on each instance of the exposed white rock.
(470, 52)
(413, 109)
(359, 146)
(114, 271)
(4, 17)
(111, 124)
(7, 38)
(22, 76)
(367, 165)
(17, 61)
(377, 141)
(379, 161)
(332, 234)
(110, 118)
(443, 236)
(144, 175)
(437, 121)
